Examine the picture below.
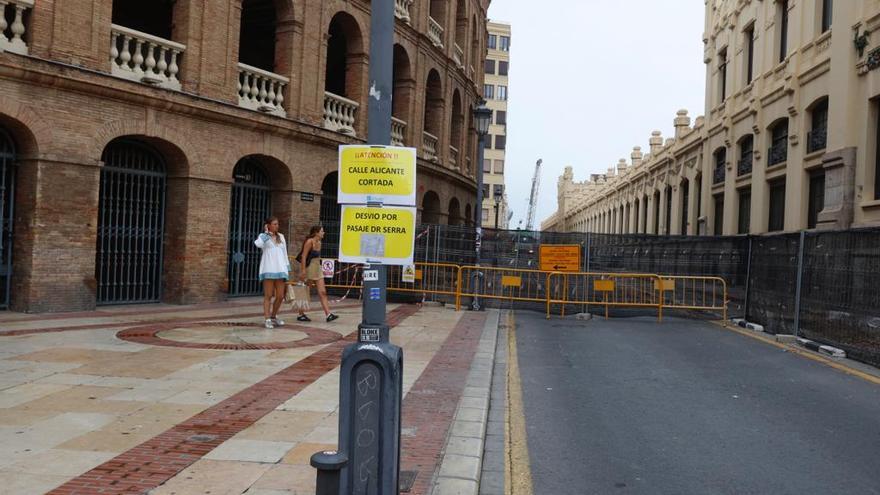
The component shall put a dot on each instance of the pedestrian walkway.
(201, 399)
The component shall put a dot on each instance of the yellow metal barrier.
(510, 284)
(696, 293)
(633, 290)
(428, 278)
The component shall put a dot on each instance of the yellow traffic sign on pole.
(377, 174)
(377, 235)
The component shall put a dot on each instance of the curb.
(745, 324)
(822, 349)
(462, 460)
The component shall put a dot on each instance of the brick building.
(141, 143)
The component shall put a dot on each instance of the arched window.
(817, 137)
(461, 22)
(263, 54)
(401, 99)
(720, 161)
(143, 45)
(433, 116)
(454, 212)
(345, 64)
(778, 152)
(455, 137)
(250, 206)
(746, 146)
(431, 208)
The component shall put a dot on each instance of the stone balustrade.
(398, 130)
(144, 58)
(261, 90)
(435, 32)
(339, 113)
(429, 146)
(401, 9)
(458, 56)
(14, 9)
(453, 156)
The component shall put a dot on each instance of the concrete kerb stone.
(463, 454)
(822, 349)
(745, 324)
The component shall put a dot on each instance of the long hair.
(313, 231)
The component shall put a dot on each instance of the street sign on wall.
(377, 235)
(560, 257)
(377, 174)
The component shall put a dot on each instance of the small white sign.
(408, 274)
(371, 275)
(369, 335)
(328, 267)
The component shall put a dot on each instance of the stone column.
(662, 228)
(650, 228)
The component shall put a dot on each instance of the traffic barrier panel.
(510, 284)
(630, 290)
(695, 293)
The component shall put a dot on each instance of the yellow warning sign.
(560, 257)
(377, 174)
(603, 285)
(377, 235)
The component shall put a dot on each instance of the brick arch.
(27, 127)
(183, 159)
(279, 171)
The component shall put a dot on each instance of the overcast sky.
(590, 79)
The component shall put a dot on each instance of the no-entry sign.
(377, 174)
(560, 257)
(377, 235)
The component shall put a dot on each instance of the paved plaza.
(168, 400)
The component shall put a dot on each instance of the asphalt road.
(684, 407)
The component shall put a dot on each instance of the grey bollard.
(328, 463)
(371, 387)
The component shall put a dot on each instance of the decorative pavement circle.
(227, 335)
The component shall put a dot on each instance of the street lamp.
(482, 119)
(497, 208)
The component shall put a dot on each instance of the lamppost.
(497, 208)
(482, 119)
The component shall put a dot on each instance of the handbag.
(298, 296)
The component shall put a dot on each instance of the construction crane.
(533, 197)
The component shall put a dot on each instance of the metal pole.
(497, 207)
(478, 222)
(748, 279)
(797, 296)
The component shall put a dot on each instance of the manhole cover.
(407, 478)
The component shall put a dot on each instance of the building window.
(877, 153)
(485, 215)
(503, 67)
(749, 35)
(827, 10)
(818, 135)
(720, 156)
(777, 206)
(489, 67)
(500, 142)
(778, 152)
(487, 193)
(782, 30)
(499, 166)
(685, 198)
(493, 41)
(488, 91)
(719, 214)
(501, 117)
(502, 93)
(498, 190)
(817, 198)
(746, 152)
(504, 43)
(745, 208)
(722, 75)
(487, 166)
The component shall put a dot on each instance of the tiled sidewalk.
(171, 400)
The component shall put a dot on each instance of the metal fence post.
(748, 280)
(797, 296)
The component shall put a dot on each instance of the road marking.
(807, 354)
(519, 474)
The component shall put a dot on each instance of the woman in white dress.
(274, 270)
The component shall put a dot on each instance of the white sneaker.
(278, 322)
(269, 324)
